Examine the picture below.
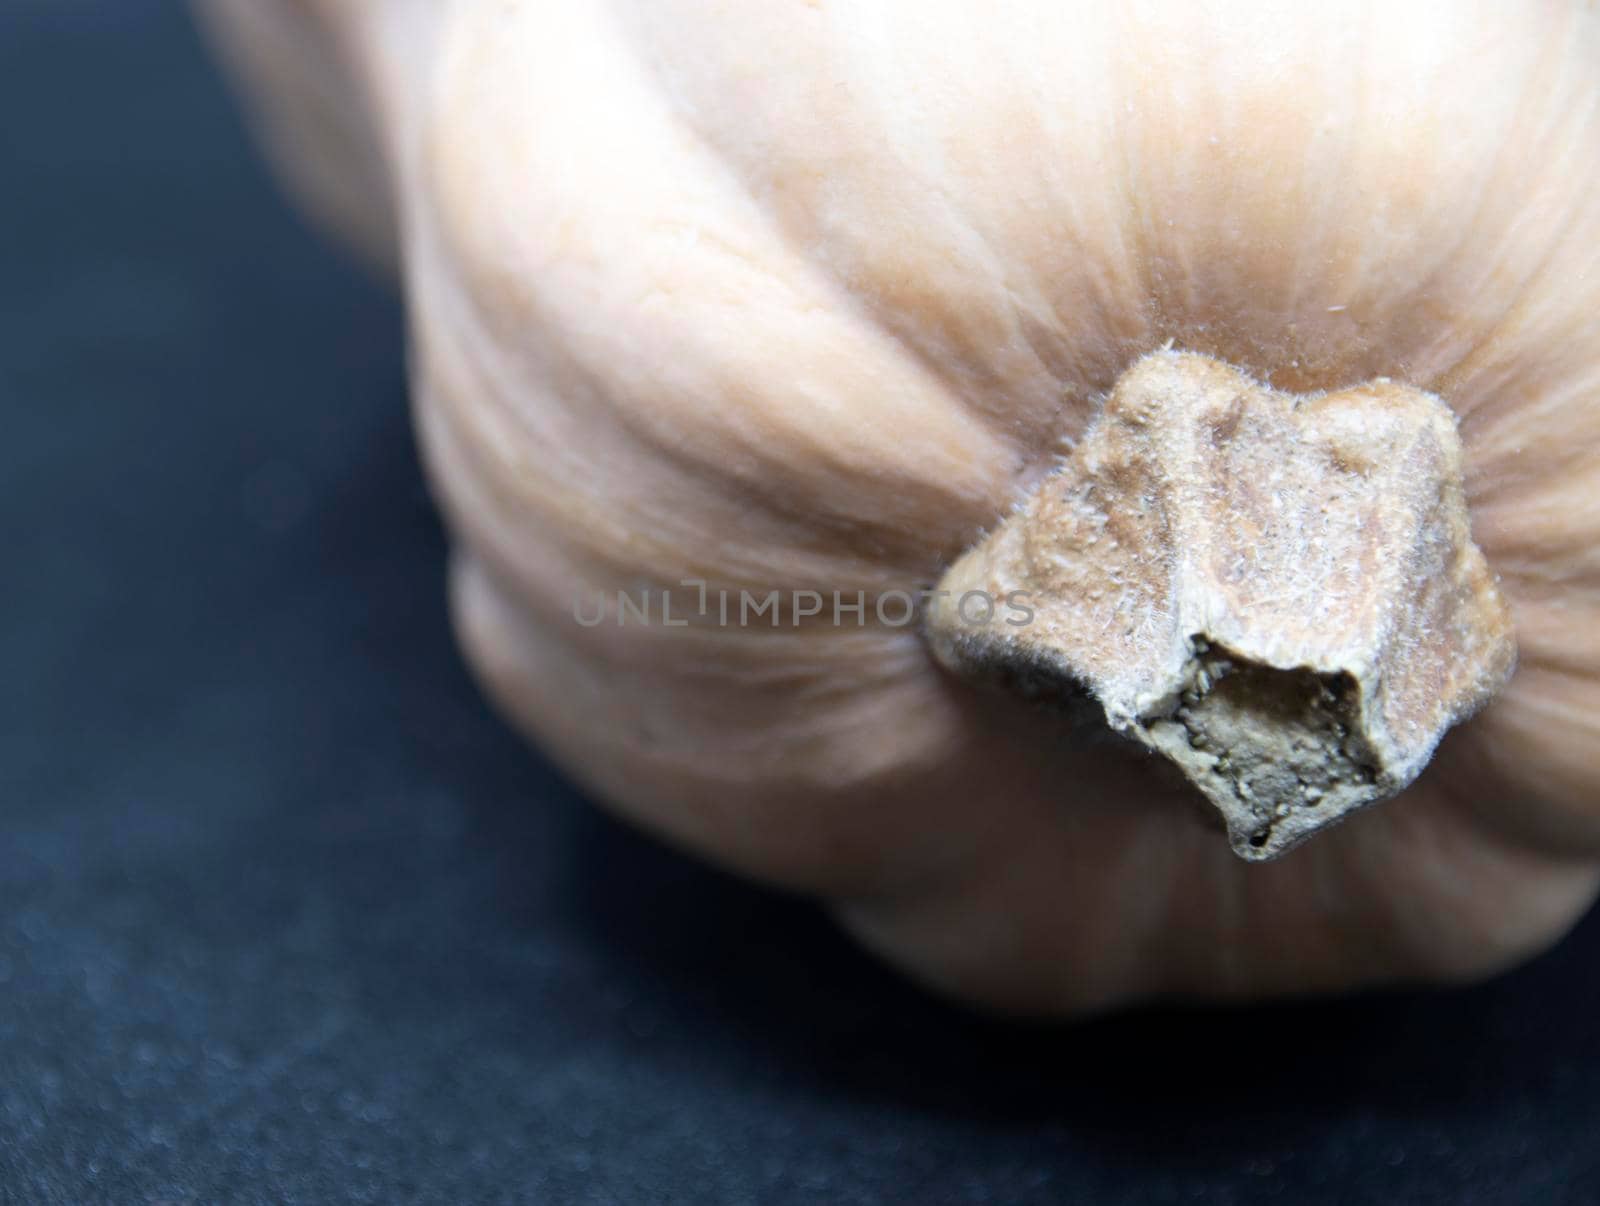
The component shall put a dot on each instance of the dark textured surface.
(287, 916)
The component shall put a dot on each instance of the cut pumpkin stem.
(1277, 592)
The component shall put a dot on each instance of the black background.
(286, 915)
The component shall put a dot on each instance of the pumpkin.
(832, 303)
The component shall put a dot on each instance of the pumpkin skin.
(807, 296)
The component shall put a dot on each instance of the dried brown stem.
(1278, 592)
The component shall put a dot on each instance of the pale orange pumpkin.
(808, 296)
